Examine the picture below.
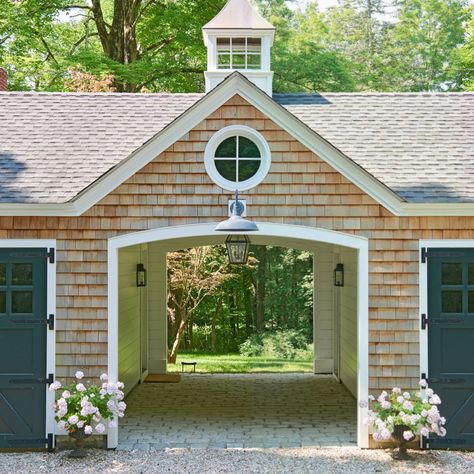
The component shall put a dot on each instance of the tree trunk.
(261, 280)
(177, 342)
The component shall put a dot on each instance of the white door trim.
(50, 309)
(266, 230)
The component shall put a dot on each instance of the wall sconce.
(141, 275)
(339, 275)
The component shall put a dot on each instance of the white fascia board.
(237, 84)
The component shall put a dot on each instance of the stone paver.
(239, 411)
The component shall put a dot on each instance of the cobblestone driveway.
(232, 411)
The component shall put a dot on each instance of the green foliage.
(282, 344)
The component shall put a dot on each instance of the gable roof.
(64, 152)
(238, 15)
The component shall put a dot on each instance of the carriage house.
(92, 185)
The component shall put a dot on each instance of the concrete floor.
(239, 410)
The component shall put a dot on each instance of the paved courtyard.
(239, 411)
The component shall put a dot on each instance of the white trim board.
(50, 309)
(237, 84)
(297, 233)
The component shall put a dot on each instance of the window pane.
(22, 301)
(253, 61)
(451, 301)
(248, 168)
(223, 61)
(3, 302)
(470, 302)
(227, 169)
(470, 278)
(238, 45)
(22, 274)
(238, 61)
(223, 44)
(254, 44)
(3, 278)
(451, 273)
(227, 149)
(248, 149)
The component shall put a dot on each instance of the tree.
(421, 45)
(155, 44)
(192, 275)
(464, 61)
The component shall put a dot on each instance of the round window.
(237, 158)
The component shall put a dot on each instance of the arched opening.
(340, 314)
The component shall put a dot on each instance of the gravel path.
(301, 460)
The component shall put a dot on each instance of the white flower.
(408, 435)
(66, 394)
(424, 431)
(429, 392)
(396, 390)
(406, 395)
(79, 374)
(442, 431)
(122, 406)
(73, 419)
(377, 436)
(120, 385)
(55, 386)
(104, 377)
(385, 404)
(371, 398)
(80, 387)
(80, 424)
(424, 413)
(423, 383)
(435, 400)
(100, 428)
(112, 424)
(88, 429)
(400, 399)
(385, 433)
(407, 405)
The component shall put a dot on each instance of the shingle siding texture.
(52, 146)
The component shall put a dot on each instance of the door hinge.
(423, 376)
(50, 379)
(424, 254)
(50, 322)
(51, 255)
(424, 321)
(50, 442)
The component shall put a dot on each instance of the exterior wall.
(348, 321)
(130, 326)
(300, 189)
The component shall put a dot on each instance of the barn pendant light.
(237, 245)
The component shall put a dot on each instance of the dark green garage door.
(451, 342)
(23, 326)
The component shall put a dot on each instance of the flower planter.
(400, 453)
(79, 436)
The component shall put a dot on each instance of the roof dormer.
(239, 39)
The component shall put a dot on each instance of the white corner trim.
(50, 309)
(303, 233)
(236, 84)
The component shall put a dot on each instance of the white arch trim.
(294, 232)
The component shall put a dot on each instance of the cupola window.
(237, 158)
(239, 53)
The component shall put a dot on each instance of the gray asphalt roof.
(54, 145)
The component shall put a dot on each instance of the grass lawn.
(235, 363)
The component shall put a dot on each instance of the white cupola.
(239, 39)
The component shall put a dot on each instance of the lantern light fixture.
(339, 275)
(237, 249)
(141, 275)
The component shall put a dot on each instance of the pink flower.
(79, 374)
(408, 435)
(88, 429)
(73, 419)
(407, 405)
(55, 386)
(396, 390)
(104, 377)
(400, 399)
(112, 424)
(423, 383)
(100, 428)
(66, 394)
(424, 431)
(80, 387)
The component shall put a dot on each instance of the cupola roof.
(239, 15)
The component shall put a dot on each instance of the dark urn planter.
(79, 436)
(400, 453)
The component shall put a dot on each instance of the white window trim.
(242, 131)
(50, 309)
(231, 54)
(207, 230)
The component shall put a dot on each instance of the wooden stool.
(188, 363)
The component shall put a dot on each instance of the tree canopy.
(156, 45)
